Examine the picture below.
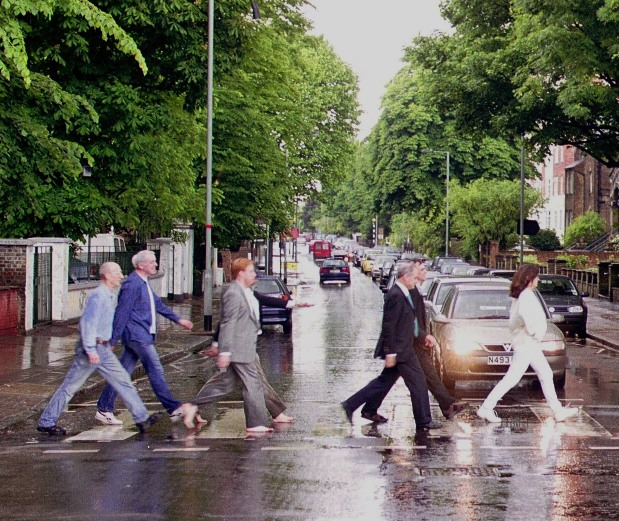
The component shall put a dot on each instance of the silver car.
(474, 339)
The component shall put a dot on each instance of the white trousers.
(525, 356)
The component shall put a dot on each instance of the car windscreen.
(558, 286)
(481, 304)
(268, 286)
(337, 263)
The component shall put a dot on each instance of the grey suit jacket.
(239, 326)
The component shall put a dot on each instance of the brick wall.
(544, 256)
(13, 273)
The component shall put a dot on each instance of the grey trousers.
(223, 383)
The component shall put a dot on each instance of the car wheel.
(560, 381)
(582, 333)
(288, 326)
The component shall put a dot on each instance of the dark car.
(562, 297)
(274, 287)
(334, 270)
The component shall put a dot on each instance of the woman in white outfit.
(527, 324)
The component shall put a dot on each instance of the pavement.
(33, 366)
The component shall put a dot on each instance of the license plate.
(499, 360)
(334, 271)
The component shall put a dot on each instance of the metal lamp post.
(208, 271)
(446, 152)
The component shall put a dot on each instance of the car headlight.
(575, 309)
(464, 346)
(553, 346)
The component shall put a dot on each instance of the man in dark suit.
(399, 329)
(135, 321)
(450, 407)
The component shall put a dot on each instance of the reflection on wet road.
(320, 467)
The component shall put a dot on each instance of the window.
(569, 182)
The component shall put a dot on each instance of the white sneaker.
(108, 418)
(564, 413)
(488, 414)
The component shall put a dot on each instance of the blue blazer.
(132, 319)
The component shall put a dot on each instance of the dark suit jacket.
(132, 319)
(420, 310)
(398, 328)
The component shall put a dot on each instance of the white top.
(527, 320)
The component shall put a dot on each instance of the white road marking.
(182, 449)
(71, 451)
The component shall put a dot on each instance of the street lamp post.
(446, 152)
(208, 271)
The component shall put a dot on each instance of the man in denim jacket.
(92, 354)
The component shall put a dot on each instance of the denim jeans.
(109, 368)
(147, 354)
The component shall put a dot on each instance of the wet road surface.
(528, 467)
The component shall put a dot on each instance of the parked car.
(562, 296)
(385, 272)
(274, 287)
(80, 271)
(368, 260)
(334, 270)
(460, 268)
(474, 341)
(438, 262)
(378, 264)
(430, 276)
(358, 255)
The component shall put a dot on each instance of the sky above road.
(370, 35)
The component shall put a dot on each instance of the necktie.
(416, 326)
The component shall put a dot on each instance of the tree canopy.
(547, 69)
(75, 94)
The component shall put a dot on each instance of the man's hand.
(390, 361)
(223, 361)
(430, 342)
(211, 352)
(93, 358)
(187, 324)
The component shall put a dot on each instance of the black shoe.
(455, 409)
(148, 422)
(432, 425)
(374, 417)
(54, 430)
(347, 411)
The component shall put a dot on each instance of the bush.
(530, 259)
(545, 240)
(575, 261)
(585, 229)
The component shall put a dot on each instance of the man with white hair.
(135, 322)
(93, 353)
